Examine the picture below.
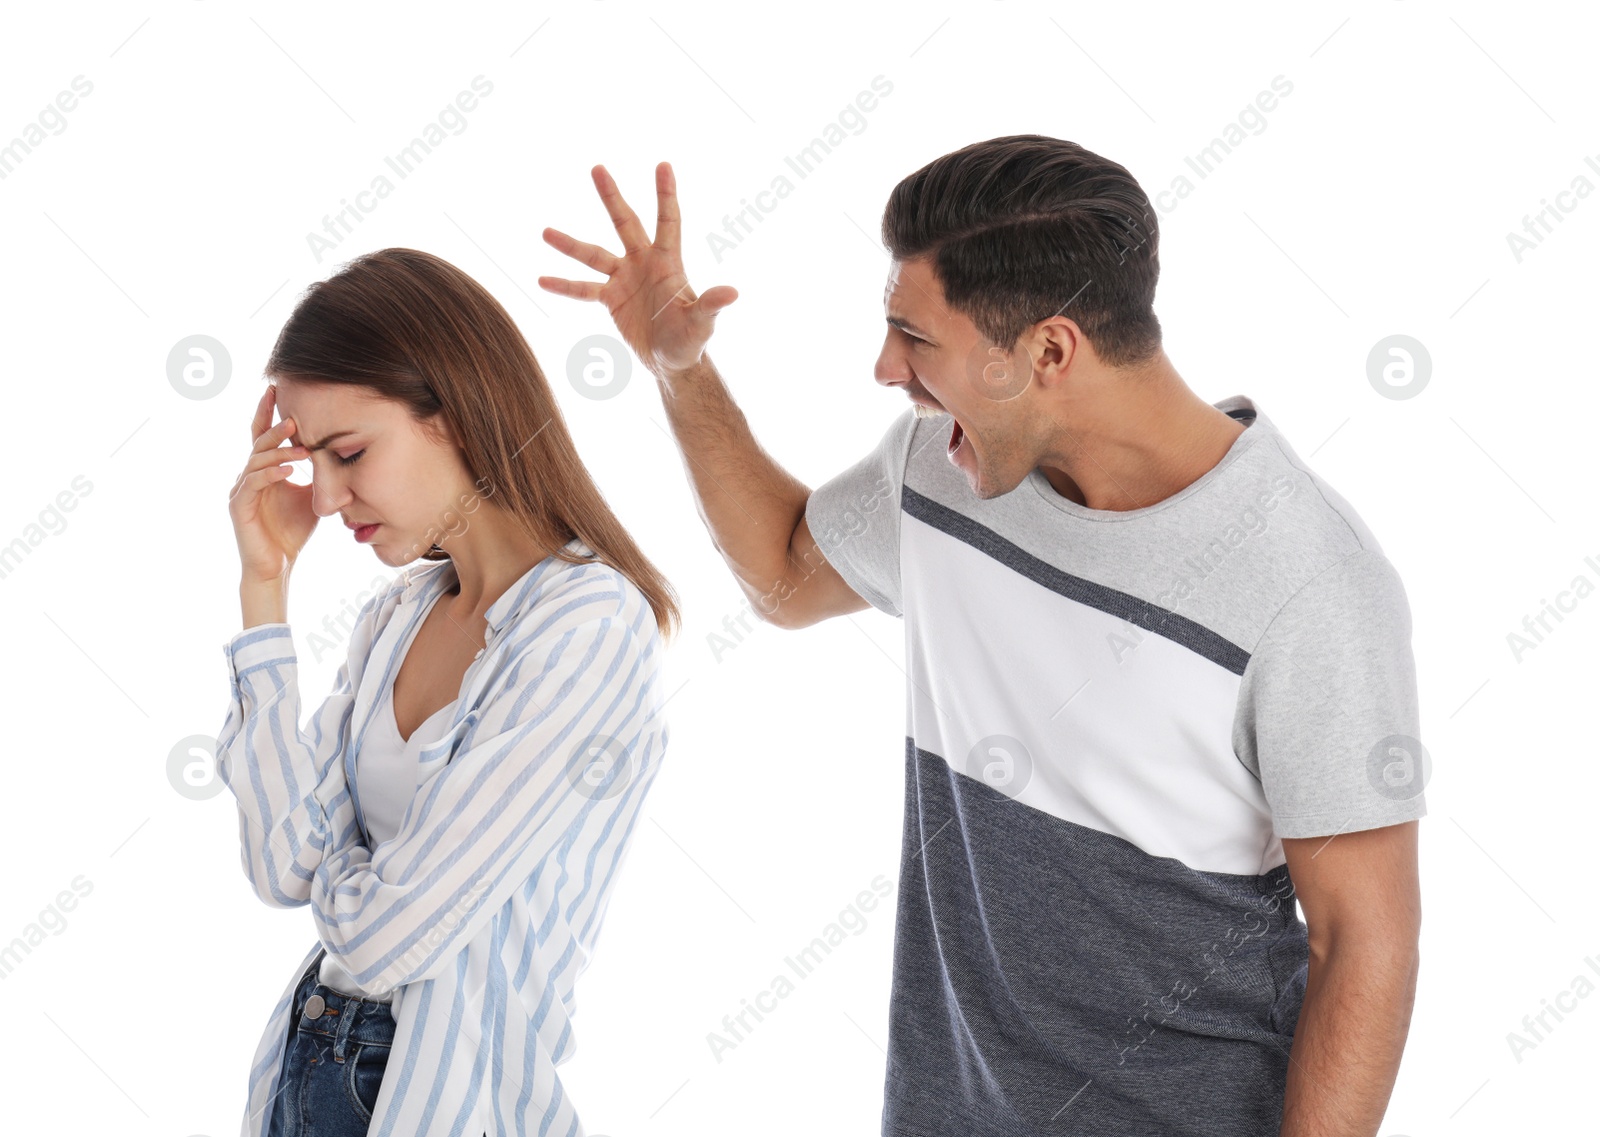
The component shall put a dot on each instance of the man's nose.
(891, 370)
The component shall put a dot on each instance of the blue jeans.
(332, 1064)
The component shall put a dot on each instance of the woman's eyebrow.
(325, 441)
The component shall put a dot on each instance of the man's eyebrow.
(325, 441)
(907, 326)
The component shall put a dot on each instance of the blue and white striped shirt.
(483, 910)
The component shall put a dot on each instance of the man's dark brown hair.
(1023, 227)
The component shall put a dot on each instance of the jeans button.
(314, 1007)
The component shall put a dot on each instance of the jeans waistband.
(345, 1019)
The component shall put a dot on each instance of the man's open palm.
(646, 290)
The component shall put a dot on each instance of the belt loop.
(347, 1015)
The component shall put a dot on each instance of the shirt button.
(314, 1007)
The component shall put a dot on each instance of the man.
(1161, 691)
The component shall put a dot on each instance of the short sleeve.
(1328, 715)
(855, 518)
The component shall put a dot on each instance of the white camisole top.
(386, 779)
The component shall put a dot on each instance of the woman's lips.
(364, 532)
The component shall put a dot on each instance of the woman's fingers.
(263, 416)
(626, 221)
(273, 435)
(276, 456)
(255, 478)
(592, 255)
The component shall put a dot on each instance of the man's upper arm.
(845, 551)
(1354, 886)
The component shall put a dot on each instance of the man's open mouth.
(956, 435)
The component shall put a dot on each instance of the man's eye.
(354, 458)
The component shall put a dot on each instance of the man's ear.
(1054, 344)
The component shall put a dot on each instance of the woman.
(456, 816)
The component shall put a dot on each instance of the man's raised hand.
(646, 290)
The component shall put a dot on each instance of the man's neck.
(1146, 439)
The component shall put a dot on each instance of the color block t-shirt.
(1113, 718)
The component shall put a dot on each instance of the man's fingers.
(592, 255)
(626, 221)
(668, 224)
(577, 289)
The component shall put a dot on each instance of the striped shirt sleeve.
(546, 754)
(293, 803)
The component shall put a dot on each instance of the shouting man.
(1161, 699)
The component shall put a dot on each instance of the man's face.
(384, 471)
(944, 364)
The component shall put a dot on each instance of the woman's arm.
(560, 755)
(294, 806)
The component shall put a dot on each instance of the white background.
(1376, 201)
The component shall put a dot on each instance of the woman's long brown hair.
(414, 328)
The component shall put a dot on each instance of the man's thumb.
(714, 300)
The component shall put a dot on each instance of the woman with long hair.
(458, 810)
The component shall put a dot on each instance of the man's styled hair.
(1024, 227)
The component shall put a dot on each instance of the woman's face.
(371, 464)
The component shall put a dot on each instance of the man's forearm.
(1348, 1041)
(749, 504)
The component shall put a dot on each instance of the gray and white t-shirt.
(1112, 720)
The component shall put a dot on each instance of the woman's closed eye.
(352, 459)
